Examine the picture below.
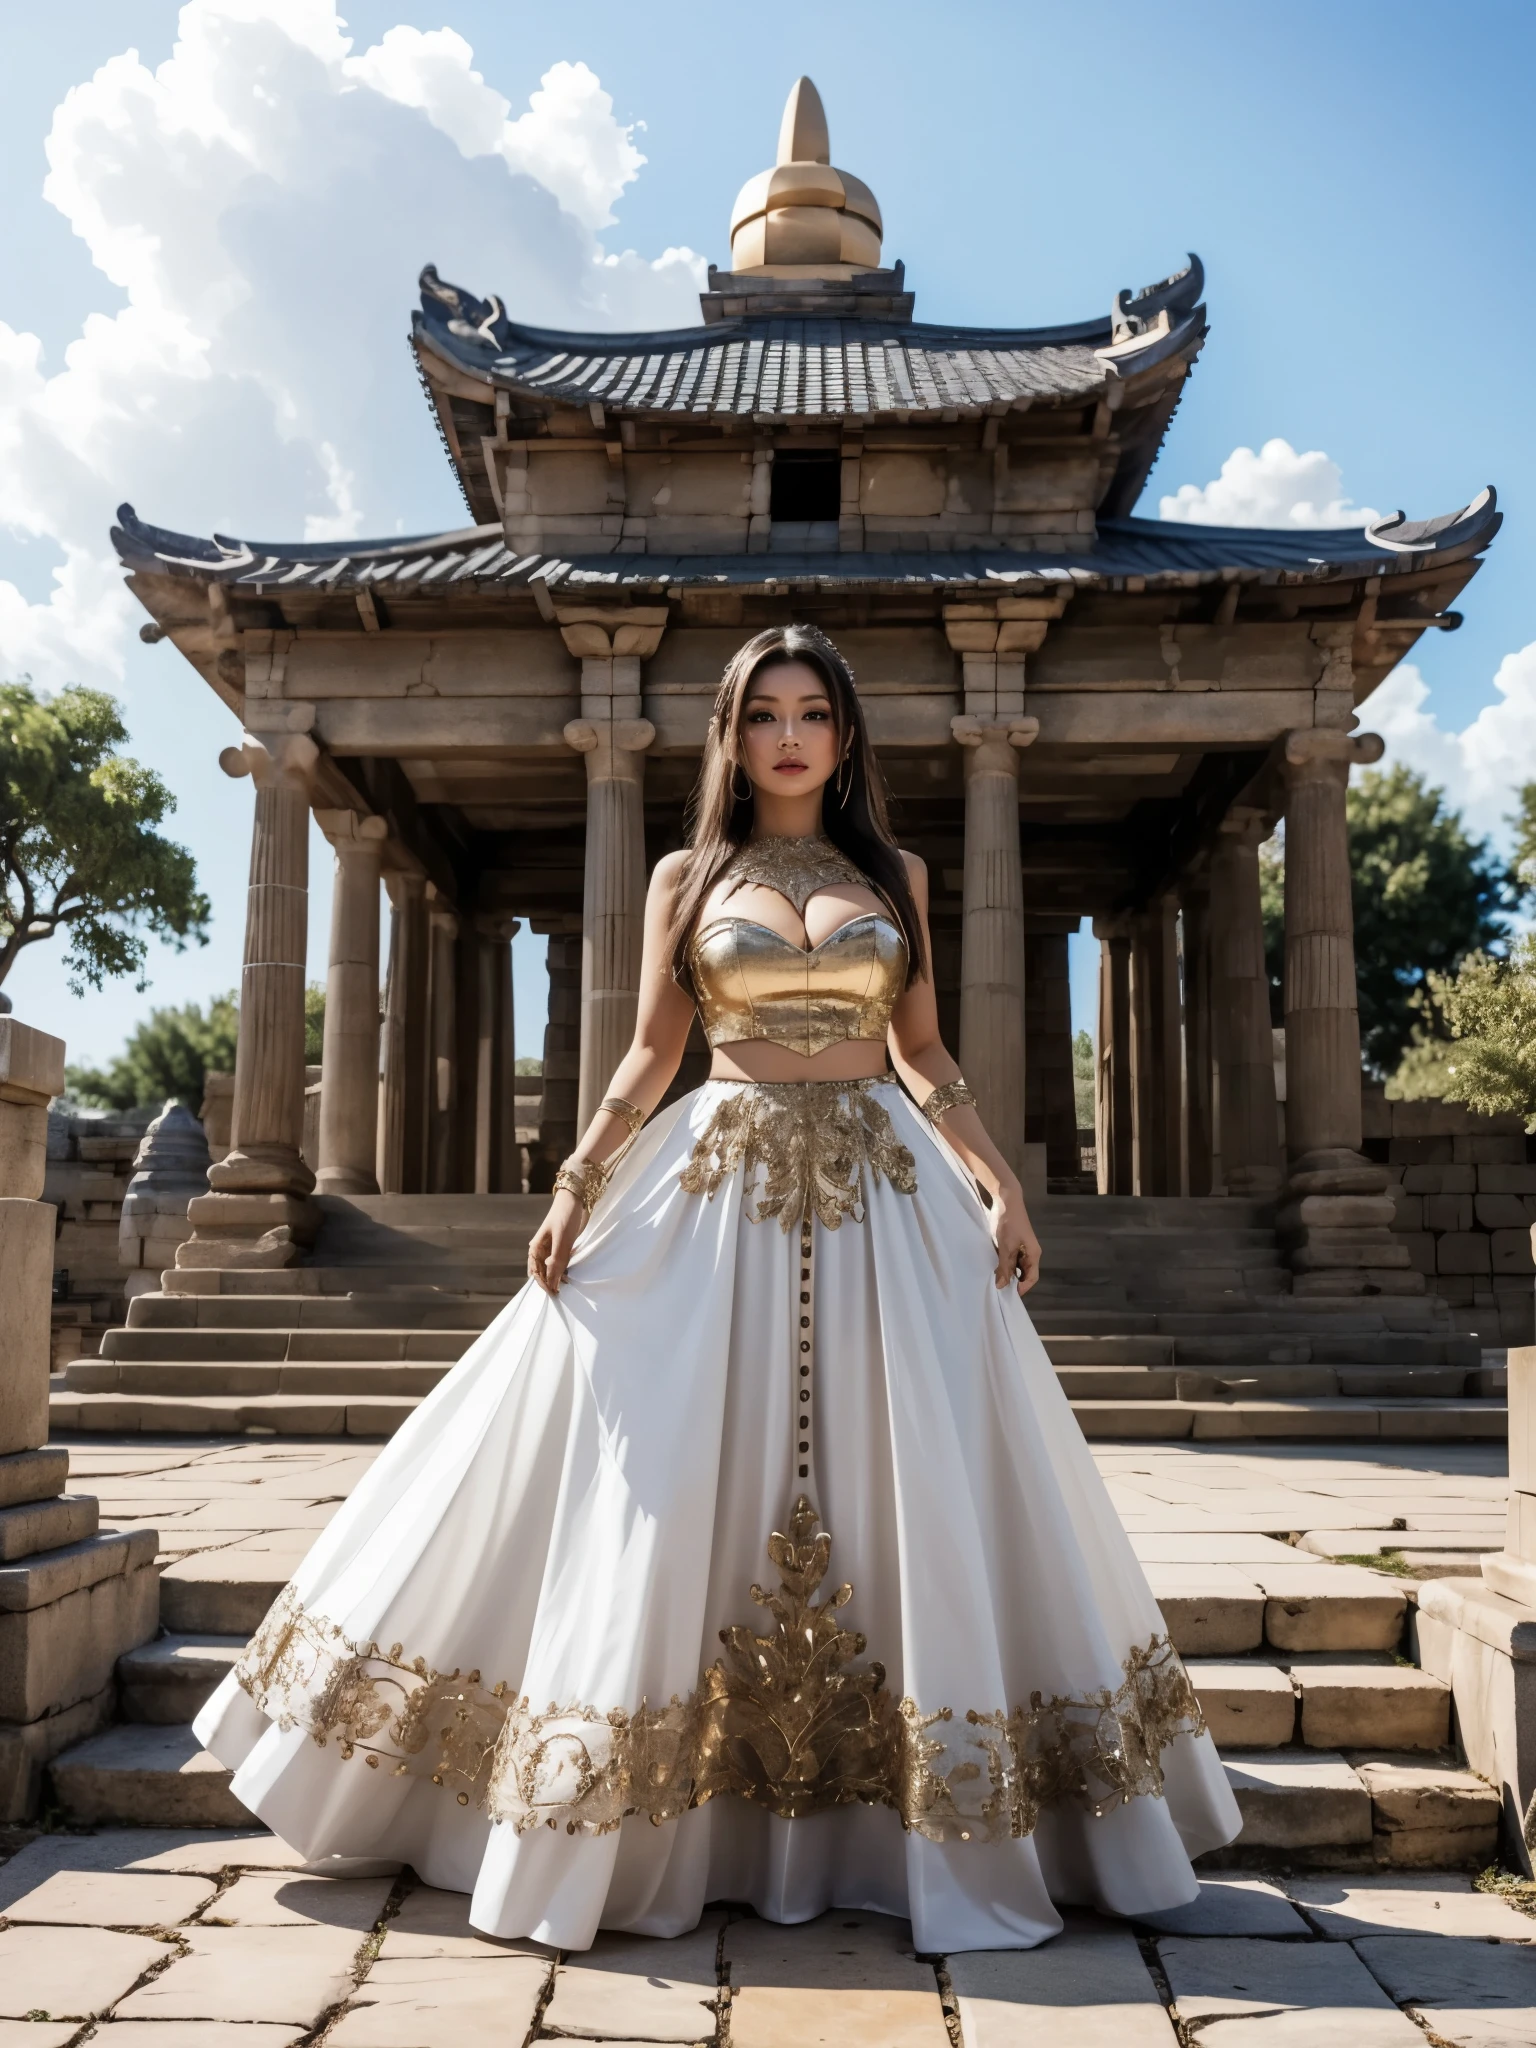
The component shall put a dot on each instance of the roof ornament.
(1157, 307)
(803, 219)
(472, 319)
(1472, 527)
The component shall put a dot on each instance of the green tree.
(1083, 1074)
(1426, 894)
(1489, 1007)
(169, 1054)
(1524, 826)
(79, 852)
(314, 1022)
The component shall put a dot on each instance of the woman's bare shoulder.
(668, 873)
(917, 873)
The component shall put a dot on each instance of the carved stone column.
(403, 1104)
(1250, 1136)
(493, 1051)
(1195, 906)
(1114, 1100)
(259, 1212)
(1338, 1220)
(613, 736)
(349, 1055)
(1158, 1066)
(1050, 1096)
(442, 1049)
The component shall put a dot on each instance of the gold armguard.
(627, 1112)
(952, 1095)
(583, 1178)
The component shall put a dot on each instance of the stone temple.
(1083, 714)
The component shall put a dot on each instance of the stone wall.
(90, 1162)
(1465, 1190)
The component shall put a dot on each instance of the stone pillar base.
(1336, 1225)
(1484, 1647)
(258, 1212)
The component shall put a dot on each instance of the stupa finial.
(803, 218)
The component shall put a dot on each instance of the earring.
(742, 796)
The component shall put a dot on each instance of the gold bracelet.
(954, 1094)
(583, 1178)
(625, 1111)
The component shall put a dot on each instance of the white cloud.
(1276, 487)
(1477, 767)
(264, 199)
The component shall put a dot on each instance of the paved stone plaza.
(152, 1937)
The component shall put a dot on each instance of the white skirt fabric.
(543, 1653)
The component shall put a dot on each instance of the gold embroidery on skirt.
(814, 1139)
(785, 1719)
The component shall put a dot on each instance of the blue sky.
(1357, 177)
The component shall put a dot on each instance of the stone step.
(1271, 1703)
(1358, 1810)
(1119, 1350)
(135, 1776)
(163, 1345)
(456, 1281)
(1377, 1317)
(428, 1309)
(189, 1379)
(166, 1682)
(1338, 1418)
(301, 1415)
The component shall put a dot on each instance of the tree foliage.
(79, 852)
(1489, 1007)
(1084, 1069)
(169, 1054)
(1426, 895)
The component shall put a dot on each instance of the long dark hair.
(720, 821)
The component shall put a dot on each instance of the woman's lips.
(790, 768)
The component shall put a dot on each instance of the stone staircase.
(1165, 1318)
(1338, 1747)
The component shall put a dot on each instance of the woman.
(772, 1333)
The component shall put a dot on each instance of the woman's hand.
(1018, 1249)
(549, 1252)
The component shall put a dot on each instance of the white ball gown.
(765, 1562)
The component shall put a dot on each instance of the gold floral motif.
(793, 868)
(814, 1139)
(785, 1719)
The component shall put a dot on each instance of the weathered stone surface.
(1227, 1979)
(196, 1852)
(1425, 1970)
(1345, 1608)
(251, 1973)
(47, 1524)
(1343, 1706)
(166, 1681)
(436, 1923)
(1085, 1989)
(1295, 1803)
(1410, 1795)
(189, 2034)
(1231, 1906)
(1344, 1908)
(430, 2002)
(1246, 1706)
(26, 1287)
(36, 1581)
(266, 1899)
(26, 1748)
(53, 1656)
(146, 1775)
(32, 1475)
(1209, 1610)
(627, 1985)
(69, 1972)
(885, 1998)
(35, 2034)
(109, 1898)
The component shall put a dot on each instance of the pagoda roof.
(1128, 554)
(763, 364)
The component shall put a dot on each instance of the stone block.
(1209, 1612)
(1463, 1251)
(69, 1972)
(1440, 1180)
(1231, 1980)
(30, 1475)
(1344, 1706)
(1422, 1151)
(282, 1899)
(1493, 1979)
(1512, 1251)
(187, 2034)
(1291, 1802)
(36, 1581)
(167, 1680)
(26, 1750)
(1089, 1988)
(63, 1652)
(183, 1852)
(1488, 1148)
(1407, 1211)
(26, 1290)
(435, 2001)
(1340, 1608)
(436, 1923)
(1345, 1908)
(1231, 1905)
(237, 1974)
(31, 1064)
(1503, 1212)
(48, 1524)
(624, 1987)
(1448, 1212)
(1246, 1706)
(783, 1977)
(146, 1777)
(40, 2034)
(111, 1898)
(1407, 1795)
(1421, 1249)
(1506, 1180)
(1442, 1849)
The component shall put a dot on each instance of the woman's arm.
(641, 1078)
(919, 1057)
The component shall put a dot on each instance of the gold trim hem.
(815, 1141)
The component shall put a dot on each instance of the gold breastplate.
(751, 982)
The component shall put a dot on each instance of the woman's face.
(787, 740)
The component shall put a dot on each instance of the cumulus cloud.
(1276, 487)
(263, 200)
(1478, 766)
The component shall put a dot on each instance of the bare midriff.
(754, 1059)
